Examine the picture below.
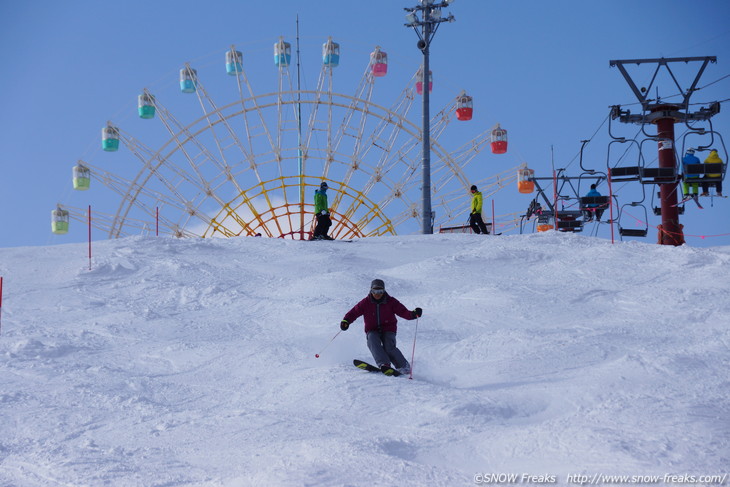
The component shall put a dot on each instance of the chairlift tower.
(665, 115)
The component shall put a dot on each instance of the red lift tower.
(664, 115)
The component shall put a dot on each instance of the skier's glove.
(417, 312)
(344, 325)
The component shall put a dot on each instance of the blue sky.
(540, 69)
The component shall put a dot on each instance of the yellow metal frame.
(256, 211)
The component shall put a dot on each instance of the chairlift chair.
(633, 232)
(619, 174)
(701, 171)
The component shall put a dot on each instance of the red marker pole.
(610, 203)
(1, 303)
(89, 237)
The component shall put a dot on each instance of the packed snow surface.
(192, 362)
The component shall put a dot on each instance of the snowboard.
(371, 368)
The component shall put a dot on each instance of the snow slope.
(192, 362)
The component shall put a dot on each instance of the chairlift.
(593, 203)
(633, 232)
(701, 172)
(570, 221)
(619, 174)
(658, 175)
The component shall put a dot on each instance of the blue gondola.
(188, 80)
(282, 53)
(234, 62)
(146, 105)
(330, 54)
(110, 138)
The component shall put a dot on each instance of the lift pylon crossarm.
(643, 93)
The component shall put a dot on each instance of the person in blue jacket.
(595, 208)
(691, 181)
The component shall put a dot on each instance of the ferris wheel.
(249, 167)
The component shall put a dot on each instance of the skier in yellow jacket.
(475, 217)
(713, 158)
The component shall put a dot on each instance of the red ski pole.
(316, 355)
(413, 353)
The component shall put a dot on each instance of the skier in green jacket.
(322, 212)
(475, 217)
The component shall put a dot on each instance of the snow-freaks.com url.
(600, 479)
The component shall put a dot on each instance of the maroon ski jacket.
(379, 315)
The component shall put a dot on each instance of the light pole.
(425, 20)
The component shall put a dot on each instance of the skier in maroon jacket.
(379, 310)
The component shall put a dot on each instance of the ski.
(693, 198)
(371, 368)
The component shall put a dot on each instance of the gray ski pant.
(382, 346)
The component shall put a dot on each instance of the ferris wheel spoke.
(363, 94)
(325, 77)
(182, 136)
(213, 117)
(242, 80)
(152, 162)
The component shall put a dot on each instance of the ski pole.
(316, 355)
(413, 353)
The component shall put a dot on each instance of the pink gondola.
(379, 62)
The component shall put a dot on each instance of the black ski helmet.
(377, 284)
